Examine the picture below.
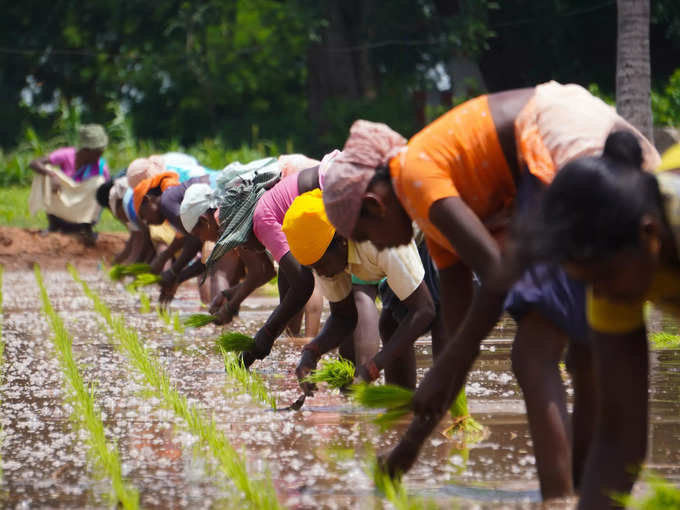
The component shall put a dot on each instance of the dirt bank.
(21, 248)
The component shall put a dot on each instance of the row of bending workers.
(541, 202)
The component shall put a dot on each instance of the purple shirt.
(65, 159)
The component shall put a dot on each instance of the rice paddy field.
(107, 402)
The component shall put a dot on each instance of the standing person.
(460, 180)
(623, 241)
(313, 241)
(67, 181)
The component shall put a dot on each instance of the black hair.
(593, 207)
(155, 192)
(103, 193)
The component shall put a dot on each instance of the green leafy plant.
(663, 340)
(395, 493)
(234, 341)
(85, 412)
(462, 421)
(661, 495)
(248, 382)
(118, 271)
(258, 494)
(198, 320)
(337, 373)
(394, 399)
(144, 303)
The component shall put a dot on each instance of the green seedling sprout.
(259, 494)
(177, 323)
(395, 493)
(463, 422)
(144, 303)
(661, 495)
(234, 341)
(143, 280)
(198, 320)
(337, 373)
(248, 382)
(394, 399)
(118, 271)
(85, 412)
(663, 340)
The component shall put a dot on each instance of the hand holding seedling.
(304, 369)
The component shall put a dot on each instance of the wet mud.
(318, 457)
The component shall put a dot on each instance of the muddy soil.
(318, 457)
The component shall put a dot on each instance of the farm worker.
(623, 241)
(66, 183)
(461, 179)
(249, 208)
(157, 200)
(314, 243)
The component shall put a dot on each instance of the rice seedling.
(394, 399)
(143, 280)
(85, 412)
(118, 271)
(260, 494)
(177, 323)
(661, 495)
(144, 303)
(234, 341)
(249, 382)
(395, 493)
(337, 373)
(198, 320)
(462, 421)
(164, 315)
(663, 340)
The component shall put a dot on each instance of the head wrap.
(163, 180)
(198, 198)
(129, 210)
(293, 163)
(144, 168)
(369, 146)
(92, 136)
(670, 159)
(307, 228)
(117, 192)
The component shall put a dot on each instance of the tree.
(633, 69)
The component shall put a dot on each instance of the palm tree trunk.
(633, 71)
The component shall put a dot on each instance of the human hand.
(225, 314)
(305, 367)
(167, 294)
(368, 372)
(168, 278)
(216, 303)
(431, 398)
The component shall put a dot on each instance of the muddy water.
(317, 457)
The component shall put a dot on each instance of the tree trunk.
(633, 73)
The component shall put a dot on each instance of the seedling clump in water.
(235, 342)
(337, 373)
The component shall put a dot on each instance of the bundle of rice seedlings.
(462, 421)
(144, 279)
(663, 340)
(394, 399)
(198, 320)
(337, 373)
(235, 342)
(116, 272)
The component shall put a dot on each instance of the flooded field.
(318, 457)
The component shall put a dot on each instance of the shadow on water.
(318, 457)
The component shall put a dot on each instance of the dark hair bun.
(624, 148)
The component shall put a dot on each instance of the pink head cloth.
(369, 146)
(144, 168)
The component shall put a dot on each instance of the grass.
(198, 320)
(14, 212)
(661, 496)
(395, 493)
(85, 412)
(663, 340)
(249, 382)
(260, 494)
(337, 373)
(234, 341)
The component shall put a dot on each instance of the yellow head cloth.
(307, 228)
(670, 159)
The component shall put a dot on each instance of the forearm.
(191, 271)
(189, 250)
(39, 166)
(335, 331)
(410, 328)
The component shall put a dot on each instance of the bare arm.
(39, 165)
(420, 315)
(339, 325)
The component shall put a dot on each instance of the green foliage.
(661, 496)
(462, 421)
(258, 494)
(234, 341)
(14, 211)
(248, 382)
(118, 271)
(337, 373)
(394, 399)
(666, 102)
(198, 320)
(663, 340)
(143, 280)
(144, 303)
(85, 411)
